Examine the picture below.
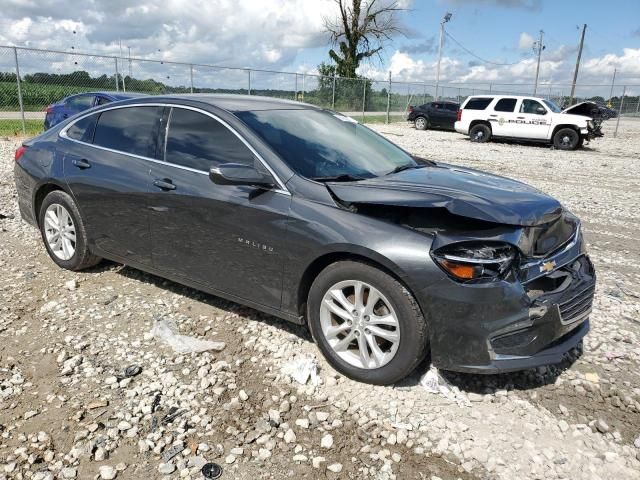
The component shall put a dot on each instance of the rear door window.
(478, 103)
(505, 105)
(130, 130)
(83, 129)
(452, 106)
(198, 141)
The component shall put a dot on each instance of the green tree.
(360, 31)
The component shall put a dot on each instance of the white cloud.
(267, 33)
(526, 41)
(556, 68)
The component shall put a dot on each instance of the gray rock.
(107, 472)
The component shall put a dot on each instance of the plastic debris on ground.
(167, 331)
(172, 452)
(132, 371)
(433, 382)
(302, 369)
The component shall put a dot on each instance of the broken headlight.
(475, 261)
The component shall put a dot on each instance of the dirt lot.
(67, 410)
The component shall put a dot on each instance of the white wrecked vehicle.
(483, 117)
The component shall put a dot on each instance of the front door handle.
(520, 118)
(164, 184)
(81, 163)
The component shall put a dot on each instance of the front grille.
(577, 306)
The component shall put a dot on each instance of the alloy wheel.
(421, 123)
(60, 231)
(359, 324)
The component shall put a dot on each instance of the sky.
(288, 35)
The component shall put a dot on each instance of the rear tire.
(566, 139)
(480, 133)
(390, 328)
(421, 123)
(63, 232)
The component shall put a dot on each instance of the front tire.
(480, 133)
(421, 123)
(566, 139)
(367, 325)
(64, 233)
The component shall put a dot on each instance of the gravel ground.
(67, 409)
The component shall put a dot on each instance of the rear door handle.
(520, 118)
(164, 184)
(81, 164)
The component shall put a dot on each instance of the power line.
(477, 56)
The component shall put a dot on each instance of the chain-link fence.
(33, 79)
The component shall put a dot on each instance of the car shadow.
(202, 297)
(470, 383)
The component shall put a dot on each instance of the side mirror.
(239, 174)
(541, 111)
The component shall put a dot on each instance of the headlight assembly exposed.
(475, 261)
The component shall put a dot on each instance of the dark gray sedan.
(306, 214)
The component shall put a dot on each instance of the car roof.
(506, 96)
(118, 95)
(237, 103)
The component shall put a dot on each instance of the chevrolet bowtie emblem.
(548, 266)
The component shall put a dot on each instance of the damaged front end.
(512, 286)
(596, 114)
(519, 301)
(512, 296)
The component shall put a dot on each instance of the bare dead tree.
(360, 31)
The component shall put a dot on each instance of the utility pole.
(575, 74)
(613, 81)
(538, 45)
(130, 71)
(446, 18)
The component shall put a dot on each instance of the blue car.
(69, 106)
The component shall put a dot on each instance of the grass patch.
(378, 118)
(13, 128)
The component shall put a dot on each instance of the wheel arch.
(557, 128)
(370, 258)
(478, 122)
(41, 192)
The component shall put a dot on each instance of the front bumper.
(516, 324)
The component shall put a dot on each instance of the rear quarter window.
(505, 105)
(478, 103)
(83, 129)
(129, 130)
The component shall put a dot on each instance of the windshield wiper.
(344, 177)
(402, 168)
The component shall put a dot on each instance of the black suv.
(434, 114)
(308, 215)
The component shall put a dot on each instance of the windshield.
(552, 106)
(322, 145)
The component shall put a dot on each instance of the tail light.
(19, 152)
(49, 109)
(410, 108)
(459, 116)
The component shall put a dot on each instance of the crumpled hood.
(462, 191)
(583, 109)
